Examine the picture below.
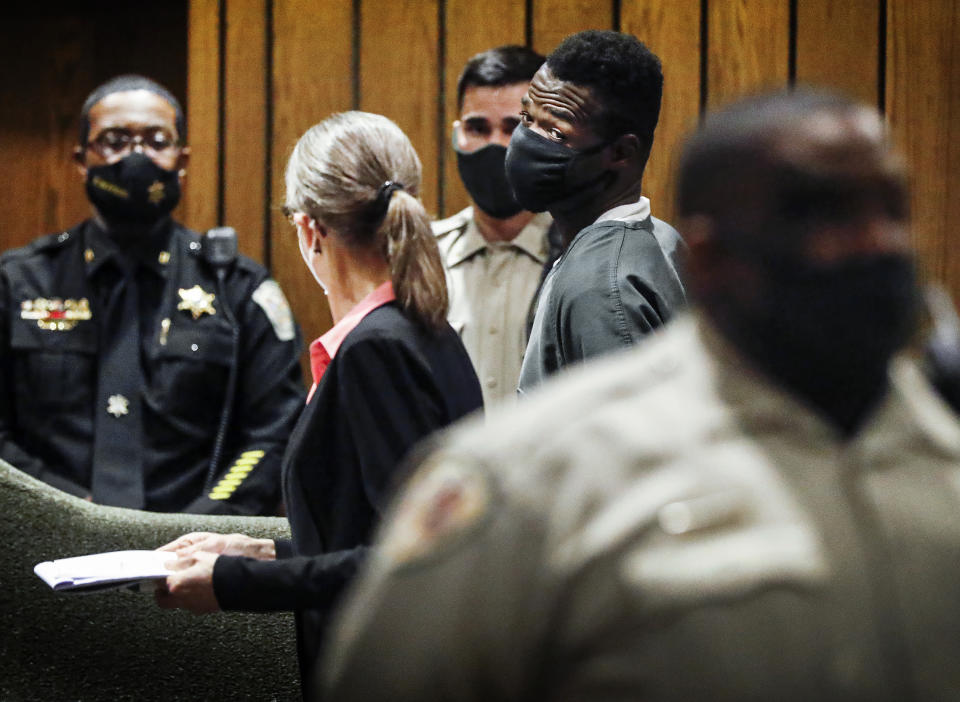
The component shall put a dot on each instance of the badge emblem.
(118, 405)
(55, 314)
(443, 502)
(155, 192)
(271, 300)
(196, 301)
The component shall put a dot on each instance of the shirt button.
(493, 330)
(194, 347)
(491, 382)
(194, 245)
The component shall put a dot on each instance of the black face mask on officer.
(484, 175)
(546, 175)
(133, 189)
(829, 331)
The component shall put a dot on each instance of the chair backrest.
(119, 644)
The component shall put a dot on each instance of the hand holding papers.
(100, 571)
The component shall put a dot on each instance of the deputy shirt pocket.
(191, 368)
(191, 341)
(53, 367)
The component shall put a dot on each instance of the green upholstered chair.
(118, 645)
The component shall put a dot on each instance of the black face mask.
(485, 178)
(830, 331)
(546, 175)
(133, 189)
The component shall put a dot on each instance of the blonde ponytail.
(358, 173)
(415, 266)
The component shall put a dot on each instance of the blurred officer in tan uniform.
(494, 252)
(763, 503)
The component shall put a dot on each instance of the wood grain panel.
(311, 79)
(245, 106)
(748, 47)
(470, 28)
(399, 77)
(42, 190)
(555, 19)
(43, 89)
(838, 46)
(672, 31)
(202, 187)
(923, 106)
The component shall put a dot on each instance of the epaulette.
(452, 223)
(47, 242)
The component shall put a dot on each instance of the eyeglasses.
(118, 141)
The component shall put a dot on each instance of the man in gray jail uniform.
(761, 503)
(587, 126)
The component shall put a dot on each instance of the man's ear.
(80, 160)
(626, 149)
(182, 160)
(704, 261)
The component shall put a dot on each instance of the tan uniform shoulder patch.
(274, 304)
(446, 499)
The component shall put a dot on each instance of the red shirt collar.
(323, 349)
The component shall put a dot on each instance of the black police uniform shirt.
(52, 295)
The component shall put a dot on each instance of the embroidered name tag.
(55, 314)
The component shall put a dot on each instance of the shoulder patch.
(273, 303)
(443, 501)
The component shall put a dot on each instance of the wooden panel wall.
(400, 76)
(313, 59)
(748, 47)
(552, 20)
(203, 187)
(257, 73)
(52, 54)
(838, 44)
(670, 30)
(922, 98)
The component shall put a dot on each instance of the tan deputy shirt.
(669, 525)
(491, 286)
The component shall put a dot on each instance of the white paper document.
(100, 571)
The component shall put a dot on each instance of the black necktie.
(118, 419)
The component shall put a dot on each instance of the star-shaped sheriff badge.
(118, 405)
(196, 301)
(155, 192)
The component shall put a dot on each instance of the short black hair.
(624, 76)
(503, 65)
(123, 84)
